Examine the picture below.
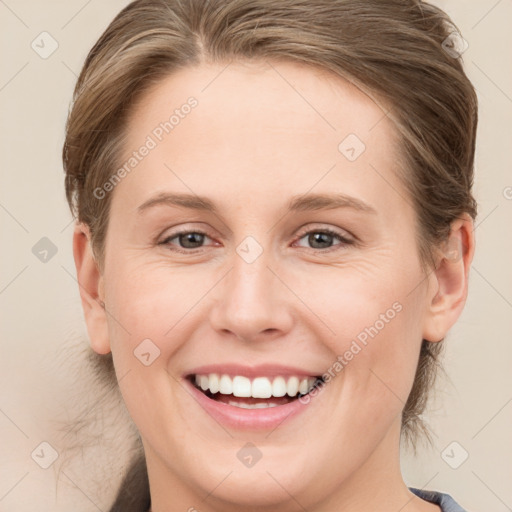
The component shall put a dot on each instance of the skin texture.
(253, 141)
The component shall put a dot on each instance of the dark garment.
(445, 501)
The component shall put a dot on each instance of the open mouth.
(254, 393)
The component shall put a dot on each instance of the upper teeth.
(260, 387)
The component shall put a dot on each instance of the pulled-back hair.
(399, 52)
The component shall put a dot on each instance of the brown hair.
(396, 51)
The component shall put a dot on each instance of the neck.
(376, 485)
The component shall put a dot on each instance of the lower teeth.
(261, 405)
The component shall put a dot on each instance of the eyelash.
(344, 241)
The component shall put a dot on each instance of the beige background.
(42, 374)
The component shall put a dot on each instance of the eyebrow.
(301, 203)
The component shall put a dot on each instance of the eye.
(189, 240)
(323, 239)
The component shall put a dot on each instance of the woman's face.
(269, 158)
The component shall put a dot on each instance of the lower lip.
(247, 419)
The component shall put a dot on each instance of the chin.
(268, 483)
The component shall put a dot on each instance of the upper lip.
(262, 370)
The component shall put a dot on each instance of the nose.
(252, 303)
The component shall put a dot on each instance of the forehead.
(268, 93)
(259, 124)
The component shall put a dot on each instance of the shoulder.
(445, 501)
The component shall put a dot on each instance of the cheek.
(375, 333)
(147, 302)
(380, 373)
(358, 306)
(145, 334)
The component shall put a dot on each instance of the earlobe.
(448, 283)
(90, 283)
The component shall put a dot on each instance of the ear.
(90, 283)
(448, 282)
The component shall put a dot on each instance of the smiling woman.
(284, 258)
